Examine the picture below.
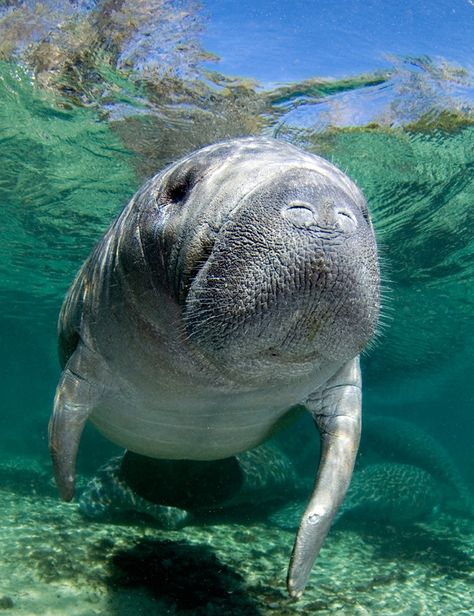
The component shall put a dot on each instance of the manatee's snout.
(292, 273)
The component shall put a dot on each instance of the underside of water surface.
(95, 97)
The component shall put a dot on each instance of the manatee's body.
(391, 493)
(241, 281)
(403, 441)
(174, 492)
(382, 493)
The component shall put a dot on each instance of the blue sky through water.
(288, 40)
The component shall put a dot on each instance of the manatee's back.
(393, 493)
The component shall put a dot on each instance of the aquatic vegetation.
(6, 602)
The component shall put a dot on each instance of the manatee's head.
(270, 253)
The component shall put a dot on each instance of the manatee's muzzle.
(295, 283)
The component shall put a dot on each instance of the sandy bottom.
(54, 563)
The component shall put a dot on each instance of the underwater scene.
(197, 513)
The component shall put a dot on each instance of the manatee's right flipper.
(336, 410)
(74, 401)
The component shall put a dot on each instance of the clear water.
(97, 96)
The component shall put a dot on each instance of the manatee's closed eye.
(179, 191)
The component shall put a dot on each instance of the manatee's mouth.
(272, 335)
(280, 356)
(273, 296)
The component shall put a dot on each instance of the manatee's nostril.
(345, 219)
(345, 214)
(300, 213)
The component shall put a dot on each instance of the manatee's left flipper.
(75, 399)
(336, 409)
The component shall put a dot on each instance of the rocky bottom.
(53, 562)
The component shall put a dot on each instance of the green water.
(66, 173)
(71, 157)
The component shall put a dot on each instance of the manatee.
(175, 492)
(239, 285)
(108, 495)
(382, 493)
(391, 493)
(403, 441)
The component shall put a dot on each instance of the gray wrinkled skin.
(239, 282)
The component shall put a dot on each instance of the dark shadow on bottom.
(187, 578)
